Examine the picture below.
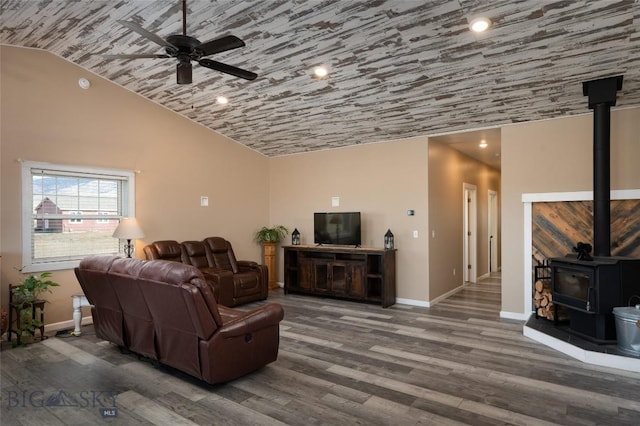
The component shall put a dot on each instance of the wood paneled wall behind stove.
(558, 226)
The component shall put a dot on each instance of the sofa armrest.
(247, 264)
(217, 274)
(222, 281)
(266, 316)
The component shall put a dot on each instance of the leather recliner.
(164, 250)
(175, 252)
(235, 282)
(250, 279)
(166, 311)
(196, 254)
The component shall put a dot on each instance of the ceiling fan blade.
(146, 34)
(220, 45)
(228, 69)
(134, 56)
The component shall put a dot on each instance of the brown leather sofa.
(167, 312)
(235, 282)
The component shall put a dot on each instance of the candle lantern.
(295, 237)
(388, 240)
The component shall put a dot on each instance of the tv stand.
(354, 273)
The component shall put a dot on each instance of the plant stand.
(270, 251)
(16, 308)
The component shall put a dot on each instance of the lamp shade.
(128, 229)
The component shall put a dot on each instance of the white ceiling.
(398, 68)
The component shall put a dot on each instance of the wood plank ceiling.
(398, 68)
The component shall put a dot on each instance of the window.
(64, 209)
(104, 220)
(78, 220)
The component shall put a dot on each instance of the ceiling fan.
(187, 49)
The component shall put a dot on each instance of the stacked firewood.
(543, 301)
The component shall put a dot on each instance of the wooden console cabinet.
(362, 274)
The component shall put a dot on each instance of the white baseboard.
(428, 303)
(515, 315)
(447, 294)
(63, 325)
(413, 302)
(588, 357)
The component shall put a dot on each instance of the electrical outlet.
(415, 234)
(454, 271)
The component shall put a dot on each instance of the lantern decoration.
(295, 237)
(388, 240)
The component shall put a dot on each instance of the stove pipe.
(602, 96)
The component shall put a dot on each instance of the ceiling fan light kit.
(184, 72)
(186, 49)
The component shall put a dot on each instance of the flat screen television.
(337, 228)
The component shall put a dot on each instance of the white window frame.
(128, 207)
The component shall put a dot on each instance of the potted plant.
(269, 238)
(275, 234)
(27, 295)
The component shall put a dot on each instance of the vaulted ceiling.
(397, 68)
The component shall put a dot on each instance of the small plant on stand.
(275, 234)
(269, 239)
(25, 296)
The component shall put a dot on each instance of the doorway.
(493, 231)
(470, 227)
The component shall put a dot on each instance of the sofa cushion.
(178, 273)
(222, 254)
(108, 316)
(164, 250)
(196, 253)
(139, 333)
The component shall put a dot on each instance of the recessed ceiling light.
(483, 144)
(221, 100)
(480, 24)
(320, 71)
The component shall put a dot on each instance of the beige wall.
(47, 117)
(382, 181)
(555, 156)
(448, 171)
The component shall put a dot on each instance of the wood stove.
(592, 286)
(591, 289)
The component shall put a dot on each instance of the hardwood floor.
(339, 363)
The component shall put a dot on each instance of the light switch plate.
(335, 201)
(204, 201)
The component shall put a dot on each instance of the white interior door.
(470, 230)
(493, 231)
